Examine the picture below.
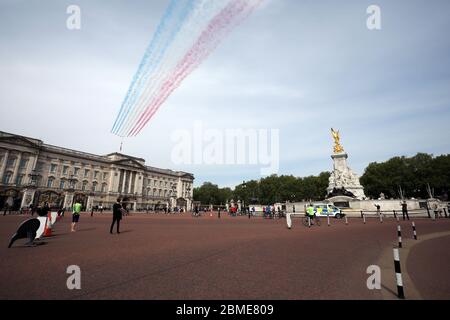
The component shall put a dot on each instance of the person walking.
(76, 210)
(117, 216)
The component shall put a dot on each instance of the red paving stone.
(181, 257)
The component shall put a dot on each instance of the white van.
(327, 210)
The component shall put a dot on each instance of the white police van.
(327, 209)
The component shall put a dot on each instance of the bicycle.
(314, 222)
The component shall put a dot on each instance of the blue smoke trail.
(148, 52)
(147, 65)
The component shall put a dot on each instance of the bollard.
(399, 233)
(395, 215)
(398, 274)
(433, 216)
(381, 217)
(364, 218)
(346, 221)
(328, 219)
(414, 230)
(288, 220)
(309, 222)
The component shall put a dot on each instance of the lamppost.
(33, 179)
(244, 197)
(30, 190)
(68, 199)
(173, 195)
(71, 181)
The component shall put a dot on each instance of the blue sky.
(297, 66)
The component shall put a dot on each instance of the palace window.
(7, 177)
(104, 187)
(61, 184)
(84, 186)
(50, 182)
(23, 163)
(105, 175)
(94, 186)
(19, 180)
(53, 168)
(95, 174)
(86, 173)
(75, 171)
(10, 162)
(65, 170)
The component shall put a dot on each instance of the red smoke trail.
(219, 26)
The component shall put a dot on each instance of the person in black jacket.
(117, 215)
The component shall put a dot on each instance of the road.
(181, 257)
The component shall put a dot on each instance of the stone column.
(138, 183)
(188, 204)
(3, 168)
(16, 168)
(130, 179)
(122, 190)
(112, 178)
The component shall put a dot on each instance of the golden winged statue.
(337, 145)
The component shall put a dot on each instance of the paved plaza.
(159, 256)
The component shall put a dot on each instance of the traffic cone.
(48, 227)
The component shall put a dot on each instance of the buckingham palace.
(32, 172)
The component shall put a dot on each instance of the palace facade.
(32, 172)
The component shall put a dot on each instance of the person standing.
(218, 213)
(378, 209)
(405, 210)
(76, 210)
(117, 216)
(45, 210)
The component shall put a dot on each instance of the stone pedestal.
(343, 177)
(28, 197)
(68, 200)
(89, 203)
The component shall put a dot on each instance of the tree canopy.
(411, 174)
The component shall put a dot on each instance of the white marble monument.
(342, 176)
